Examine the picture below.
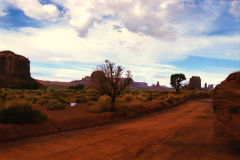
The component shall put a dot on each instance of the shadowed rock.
(227, 106)
(195, 83)
(15, 71)
(14, 66)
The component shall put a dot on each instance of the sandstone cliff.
(226, 103)
(14, 66)
(15, 71)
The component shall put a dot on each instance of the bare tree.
(107, 79)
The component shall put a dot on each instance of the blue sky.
(66, 39)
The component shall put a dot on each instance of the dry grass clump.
(81, 99)
(55, 105)
(128, 98)
(150, 101)
(93, 96)
(149, 97)
(104, 103)
(20, 112)
(131, 109)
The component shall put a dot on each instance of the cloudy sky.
(66, 39)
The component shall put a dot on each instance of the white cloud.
(36, 10)
(58, 74)
(141, 54)
(2, 9)
(235, 9)
(162, 19)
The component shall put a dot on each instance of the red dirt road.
(184, 132)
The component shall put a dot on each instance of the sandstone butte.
(15, 70)
(226, 103)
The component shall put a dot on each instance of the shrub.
(134, 109)
(104, 104)
(128, 98)
(94, 98)
(81, 100)
(55, 105)
(42, 102)
(29, 85)
(135, 92)
(21, 112)
(62, 100)
(34, 100)
(77, 87)
(144, 95)
(149, 98)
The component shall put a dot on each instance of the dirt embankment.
(184, 132)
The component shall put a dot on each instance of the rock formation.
(210, 87)
(194, 83)
(15, 71)
(205, 86)
(226, 104)
(14, 66)
(138, 85)
(157, 87)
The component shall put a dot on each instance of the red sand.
(59, 120)
(184, 132)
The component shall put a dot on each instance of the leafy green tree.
(107, 79)
(176, 80)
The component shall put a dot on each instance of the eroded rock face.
(14, 66)
(226, 104)
(15, 71)
(195, 83)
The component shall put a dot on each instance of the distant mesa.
(208, 87)
(57, 84)
(138, 85)
(86, 82)
(158, 87)
(226, 104)
(144, 86)
(195, 83)
(15, 71)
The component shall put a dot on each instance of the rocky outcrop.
(14, 66)
(226, 104)
(15, 71)
(194, 84)
(210, 87)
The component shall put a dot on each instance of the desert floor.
(183, 132)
